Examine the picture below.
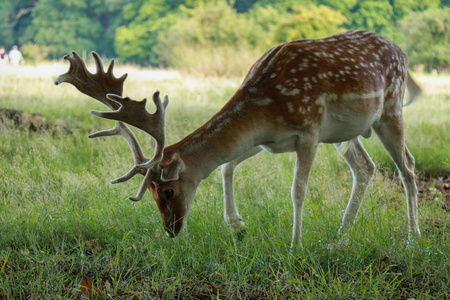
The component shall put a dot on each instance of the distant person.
(3, 56)
(15, 56)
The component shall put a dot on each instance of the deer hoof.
(239, 229)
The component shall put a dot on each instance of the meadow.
(67, 233)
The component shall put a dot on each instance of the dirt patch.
(18, 119)
(431, 188)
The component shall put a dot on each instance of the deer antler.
(134, 113)
(106, 88)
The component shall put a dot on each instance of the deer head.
(158, 177)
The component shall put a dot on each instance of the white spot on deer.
(263, 102)
(290, 107)
(320, 100)
(306, 99)
(238, 106)
(273, 75)
(307, 86)
(288, 91)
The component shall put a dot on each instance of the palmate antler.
(106, 88)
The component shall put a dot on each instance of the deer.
(297, 95)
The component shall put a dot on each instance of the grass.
(65, 232)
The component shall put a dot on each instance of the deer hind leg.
(230, 211)
(390, 132)
(362, 168)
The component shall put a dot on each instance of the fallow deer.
(297, 95)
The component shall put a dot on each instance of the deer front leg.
(230, 211)
(306, 151)
(362, 168)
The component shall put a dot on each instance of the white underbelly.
(343, 126)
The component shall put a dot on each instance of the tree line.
(216, 35)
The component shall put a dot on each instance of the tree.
(403, 7)
(15, 18)
(372, 15)
(83, 25)
(137, 41)
(211, 38)
(309, 22)
(427, 38)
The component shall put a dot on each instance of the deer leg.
(362, 168)
(230, 211)
(306, 151)
(390, 132)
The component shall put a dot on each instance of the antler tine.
(95, 85)
(99, 64)
(122, 130)
(144, 185)
(160, 141)
(134, 113)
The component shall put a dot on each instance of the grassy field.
(66, 233)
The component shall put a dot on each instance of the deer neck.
(230, 133)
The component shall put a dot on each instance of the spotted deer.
(297, 95)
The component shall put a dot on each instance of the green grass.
(62, 222)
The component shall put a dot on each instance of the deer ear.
(171, 171)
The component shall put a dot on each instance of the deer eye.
(169, 194)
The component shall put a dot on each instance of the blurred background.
(216, 37)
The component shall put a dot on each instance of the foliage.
(15, 17)
(34, 53)
(223, 38)
(372, 15)
(82, 26)
(138, 40)
(142, 31)
(214, 32)
(427, 38)
(309, 22)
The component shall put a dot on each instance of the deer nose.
(171, 230)
(170, 234)
(174, 228)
